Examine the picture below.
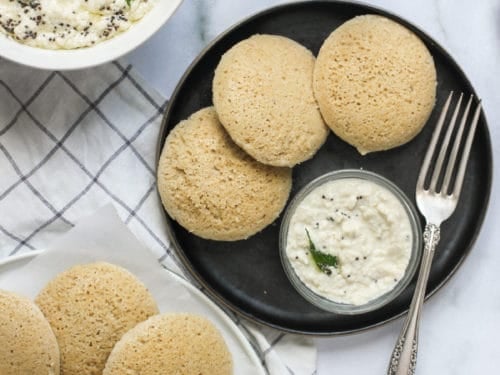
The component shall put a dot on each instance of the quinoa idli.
(262, 91)
(27, 343)
(375, 82)
(89, 308)
(212, 187)
(175, 343)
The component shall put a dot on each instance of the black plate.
(247, 276)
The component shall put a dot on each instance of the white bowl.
(100, 53)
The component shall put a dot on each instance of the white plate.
(247, 360)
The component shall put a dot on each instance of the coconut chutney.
(69, 24)
(360, 224)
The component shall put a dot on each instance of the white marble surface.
(461, 322)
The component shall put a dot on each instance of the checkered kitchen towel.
(71, 142)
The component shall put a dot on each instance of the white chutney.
(365, 226)
(69, 24)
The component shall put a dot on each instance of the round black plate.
(247, 276)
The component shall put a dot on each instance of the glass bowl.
(414, 237)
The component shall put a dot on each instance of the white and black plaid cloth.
(71, 142)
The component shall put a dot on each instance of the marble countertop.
(461, 321)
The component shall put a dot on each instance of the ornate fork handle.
(404, 357)
(436, 202)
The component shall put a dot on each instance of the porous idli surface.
(262, 91)
(175, 343)
(89, 308)
(212, 187)
(27, 343)
(375, 82)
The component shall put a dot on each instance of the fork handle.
(404, 356)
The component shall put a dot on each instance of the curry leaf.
(322, 260)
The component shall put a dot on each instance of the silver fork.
(436, 203)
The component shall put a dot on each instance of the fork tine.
(444, 147)
(454, 151)
(432, 145)
(465, 155)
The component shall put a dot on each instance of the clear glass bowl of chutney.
(350, 241)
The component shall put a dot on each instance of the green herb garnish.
(128, 2)
(323, 261)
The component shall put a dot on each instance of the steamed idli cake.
(181, 344)
(27, 343)
(89, 308)
(262, 91)
(375, 83)
(213, 188)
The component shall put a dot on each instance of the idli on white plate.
(173, 343)
(27, 343)
(89, 308)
